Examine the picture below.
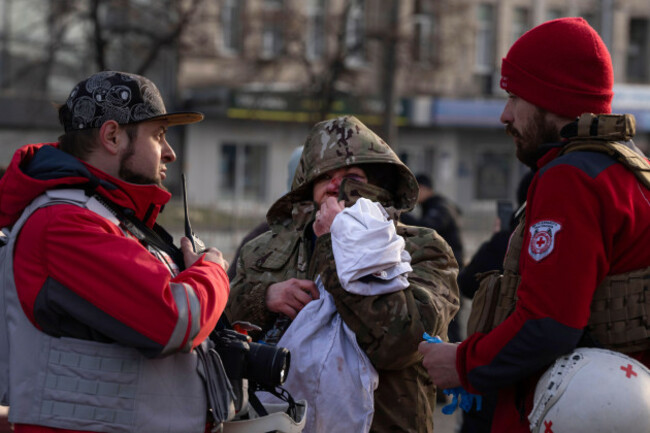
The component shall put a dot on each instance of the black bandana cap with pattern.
(120, 96)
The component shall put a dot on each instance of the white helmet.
(592, 390)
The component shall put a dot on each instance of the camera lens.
(268, 365)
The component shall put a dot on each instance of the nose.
(333, 184)
(168, 154)
(506, 114)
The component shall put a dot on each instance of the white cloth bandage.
(328, 369)
(365, 244)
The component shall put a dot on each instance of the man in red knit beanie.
(582, 238)
(561, 66)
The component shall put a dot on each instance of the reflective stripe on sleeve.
(189, 308)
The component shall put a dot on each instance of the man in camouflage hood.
(342, 161)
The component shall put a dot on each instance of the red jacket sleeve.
(583, 222)
(76, 268)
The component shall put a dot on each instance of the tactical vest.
(86, 385)
(620, 308)
(496, 296)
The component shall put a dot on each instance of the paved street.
(442, 423)
(445, 423)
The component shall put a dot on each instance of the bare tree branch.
(172, 37)
(99, 42)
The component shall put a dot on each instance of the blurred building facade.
(264, 71)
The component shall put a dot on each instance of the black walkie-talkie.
(197, 244)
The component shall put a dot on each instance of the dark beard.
(540, 132)
(129, 176)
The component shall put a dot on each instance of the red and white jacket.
(79, 275)
(586, 218)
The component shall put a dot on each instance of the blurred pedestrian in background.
(490, 254)
(439, 213)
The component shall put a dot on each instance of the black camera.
(263, 365)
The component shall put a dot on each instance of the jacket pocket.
(272, 254)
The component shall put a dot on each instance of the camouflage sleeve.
(389, 327)
(247, 292)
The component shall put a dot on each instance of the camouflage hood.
(341, 142)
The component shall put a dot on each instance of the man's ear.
(110, 136)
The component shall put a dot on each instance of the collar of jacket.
(550, 151)
(53, 168)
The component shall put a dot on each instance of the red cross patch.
(629, 371)
(547, 426)
(542, 239)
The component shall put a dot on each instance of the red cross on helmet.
(592, 390)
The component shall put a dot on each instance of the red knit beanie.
(562, 66)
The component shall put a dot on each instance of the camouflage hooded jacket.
(388, 327)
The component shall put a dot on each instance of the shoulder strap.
(7, 238)
(633, 161)
(610, 134)
(59, 196)
(156, 237)
(119, 216)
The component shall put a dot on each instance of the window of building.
(271, 40)
(315, 45)
(492, 175)
(355, 29)
(243, 171)
(520, 23)
(424, 27)
(485, 42)
(637, 51)
(485, 38)
(36, 47)
(272, 29)
(231, 25)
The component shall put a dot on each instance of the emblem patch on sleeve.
(542, 239)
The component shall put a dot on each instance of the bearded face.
(144, 158)
(530, 127)
(129, 171)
